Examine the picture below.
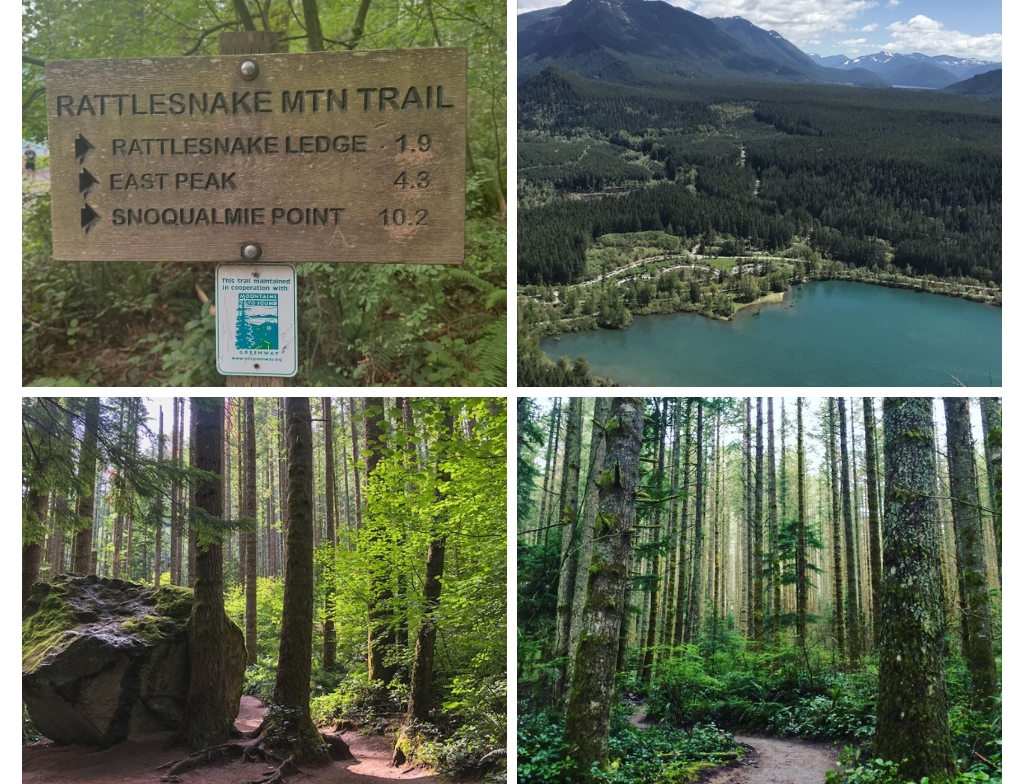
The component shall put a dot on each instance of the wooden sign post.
(258, 157)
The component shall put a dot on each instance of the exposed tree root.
(278, 774)
(254, 750)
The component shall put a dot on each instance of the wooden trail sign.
(322, 156)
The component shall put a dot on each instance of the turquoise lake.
(826, 333)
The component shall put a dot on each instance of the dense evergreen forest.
(705, 195)
(116, 323)
(818, 568)
(359, 543)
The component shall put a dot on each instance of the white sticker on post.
(256, 315)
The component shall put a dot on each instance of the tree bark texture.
(569, 521)
(422, 678)
(249, 512)
(588, 714)
(963, 486)
(81, 547)
(380, 642)
(874, 522)
(291, 687)
(208, 717)
(912, 709)
(330, 637)
(852, 612)
(992, 427)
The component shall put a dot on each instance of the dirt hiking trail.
(779, 761)
(768, 760)
(135, 761)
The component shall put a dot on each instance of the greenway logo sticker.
(256, 320)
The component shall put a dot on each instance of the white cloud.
(892, 3)
(854, 42)
(800, 21)
(533, 5)
(922, 34)
(869, 28)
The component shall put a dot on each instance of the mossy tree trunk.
(208, 716)
(569, 521)
(647, 659)
(81, 547)
(422, 677)
(158, 514)
(355, 462)
(602, 406)
(913, 720)
(963, 485)
(992, 427)
(290, 726)
(588, 714)
(249, 513)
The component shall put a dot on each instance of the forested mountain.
(636, 41)
(825, 568)
(985, 85)
(359, 542)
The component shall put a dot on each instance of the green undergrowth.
(656, 755)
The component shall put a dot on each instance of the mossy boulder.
(104, 659)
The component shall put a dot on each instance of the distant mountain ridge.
(913, 70)
(984, 85)
(643, 41)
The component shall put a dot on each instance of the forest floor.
(135, 761)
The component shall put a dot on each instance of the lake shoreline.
(819, 335)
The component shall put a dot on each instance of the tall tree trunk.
(852, 612)
(569, 521)
(874, 524)
(693, 605)
(330, 637)
(250, 513)
(588, 715)
(682, 581)
(801, 532)
(661, 429)
(992, 428)
(759, 530)
(773, 531)
(672, 534)
(159, 515)
(208, 716)
(291, 687)
(549, 471)
(963, 486)
(81, 548)
(837, 547)
(355, 462)
(381, 631)
(422, 678)
(913, 720)
(602, 406)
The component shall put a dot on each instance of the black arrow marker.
(82, 148)
(89, 218)
(86, 182)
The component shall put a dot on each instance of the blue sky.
(855, 27)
